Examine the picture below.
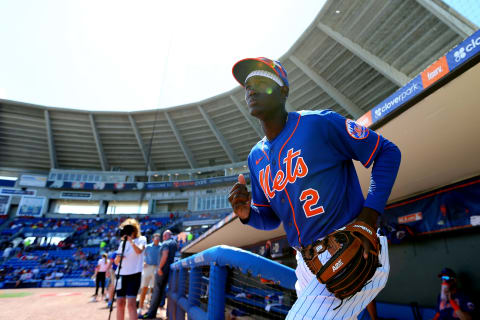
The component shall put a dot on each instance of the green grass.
(15, 294)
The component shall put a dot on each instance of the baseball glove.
(347, 271)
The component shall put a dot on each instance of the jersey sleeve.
(353, 141)
(261, 214)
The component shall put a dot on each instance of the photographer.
(131, 268)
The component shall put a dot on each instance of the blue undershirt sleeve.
(384, 172)
(263, 218)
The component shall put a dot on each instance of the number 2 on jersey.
(311, 197)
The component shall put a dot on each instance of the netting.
(198, 287)
(257, 297)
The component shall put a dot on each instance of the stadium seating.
(74, 257)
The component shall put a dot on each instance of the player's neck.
(272, 126)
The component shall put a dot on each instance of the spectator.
(169, 247)
(26, 275)
(59, 275)
(152, 258)
(268, 250)
(100, 272)
(84, 273)
(452, 302)
(7, 252)
(111, 273)
(35, 272)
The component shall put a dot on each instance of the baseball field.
(54, 303)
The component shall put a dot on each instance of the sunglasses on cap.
(447, 278)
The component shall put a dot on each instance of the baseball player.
(302, 175)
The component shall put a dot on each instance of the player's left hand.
(368, 216)
(160, 272)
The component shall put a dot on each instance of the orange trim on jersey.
(279, 165)
(294, 220)
(373, 152)
(261, 205)
(432, 194)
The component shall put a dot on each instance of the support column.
(216, 288)
(151, 206)
(394, 75)
(51, 143)
(333, 92)
(102, 208)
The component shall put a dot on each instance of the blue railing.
(194, 279)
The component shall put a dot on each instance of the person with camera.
(130, 268)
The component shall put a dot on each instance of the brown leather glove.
(347, 271)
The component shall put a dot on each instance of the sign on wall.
(75, 195)
(31, 206)
(29, 180)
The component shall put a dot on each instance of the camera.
(127, 230)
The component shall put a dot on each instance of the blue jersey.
(306, 179)
(445, 309)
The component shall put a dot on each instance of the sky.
(470, 9)
(136, 55)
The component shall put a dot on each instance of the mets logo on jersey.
(295, 167)
(355, 130)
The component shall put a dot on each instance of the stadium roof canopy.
(353, 56)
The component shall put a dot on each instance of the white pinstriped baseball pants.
(316, 302)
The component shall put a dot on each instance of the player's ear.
(284, 93)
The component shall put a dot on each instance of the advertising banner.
(464, 51)
(129, 186)
(7, 183)
(18, 192)
(452, 207)
(31, 206)
(456, 57)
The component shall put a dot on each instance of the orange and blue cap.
(244, 67)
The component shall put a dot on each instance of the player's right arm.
(258, 214)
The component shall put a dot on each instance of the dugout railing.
(224, 281)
